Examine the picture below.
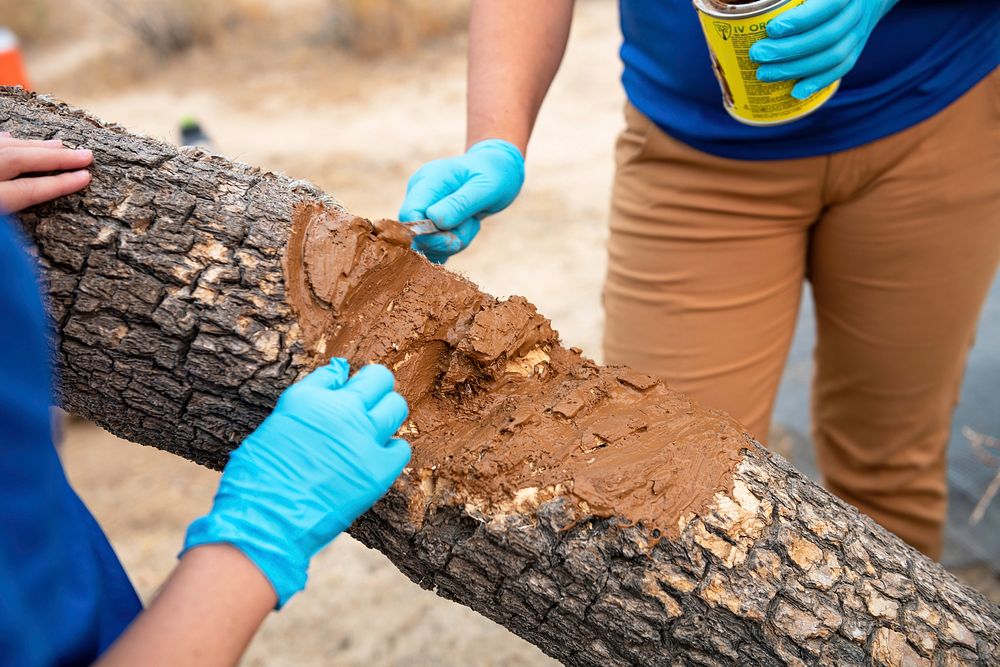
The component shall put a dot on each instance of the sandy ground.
(357, 130)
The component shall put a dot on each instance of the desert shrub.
(169, 27)
(372, 28)
(34, 21)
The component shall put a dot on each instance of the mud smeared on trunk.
(169, 291)
(502, 415)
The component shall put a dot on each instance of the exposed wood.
(169, 299)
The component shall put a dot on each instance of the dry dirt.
(272, 91)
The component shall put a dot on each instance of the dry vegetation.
(117, 45)
(173, 26)
(34, 21)
(367, 28)
(375, 27)
(987, 449)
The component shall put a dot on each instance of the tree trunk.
(589, 509)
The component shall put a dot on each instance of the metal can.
(731, 27)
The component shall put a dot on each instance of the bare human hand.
(21, 158)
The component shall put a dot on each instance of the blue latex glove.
(458, 192)
(817, 42)
(323, 457)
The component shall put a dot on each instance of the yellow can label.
(748, 100)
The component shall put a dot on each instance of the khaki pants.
(899, 239)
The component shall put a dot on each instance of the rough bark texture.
(168, 297)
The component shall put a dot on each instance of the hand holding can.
(817, 43)
(733, 29)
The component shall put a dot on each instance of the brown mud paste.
(391, 231)
(501, 413)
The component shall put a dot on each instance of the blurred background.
(354, 95)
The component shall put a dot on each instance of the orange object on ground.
(899, 238)
(12, 71)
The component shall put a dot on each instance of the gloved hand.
(457, 192)
(817, 42)
(322, 458)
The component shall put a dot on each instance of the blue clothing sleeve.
(921, 57)
(64, 597)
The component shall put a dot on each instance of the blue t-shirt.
(921, 57)
(64, 597)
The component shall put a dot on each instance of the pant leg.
(900, 265)
(706, 263)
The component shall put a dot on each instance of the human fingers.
(450, 242)
(471, 200)
(19, 194)
(826, 36)
(394, 457)
(807, 16)
(18, 160)
(388, 415)
(7, 141)
(809, 85)
(331, 376)
(429, 185)
(815, 64)
(372, 383)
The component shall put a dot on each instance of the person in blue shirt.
(323, 457)
(886, 199)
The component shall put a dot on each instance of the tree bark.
(186, 291)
